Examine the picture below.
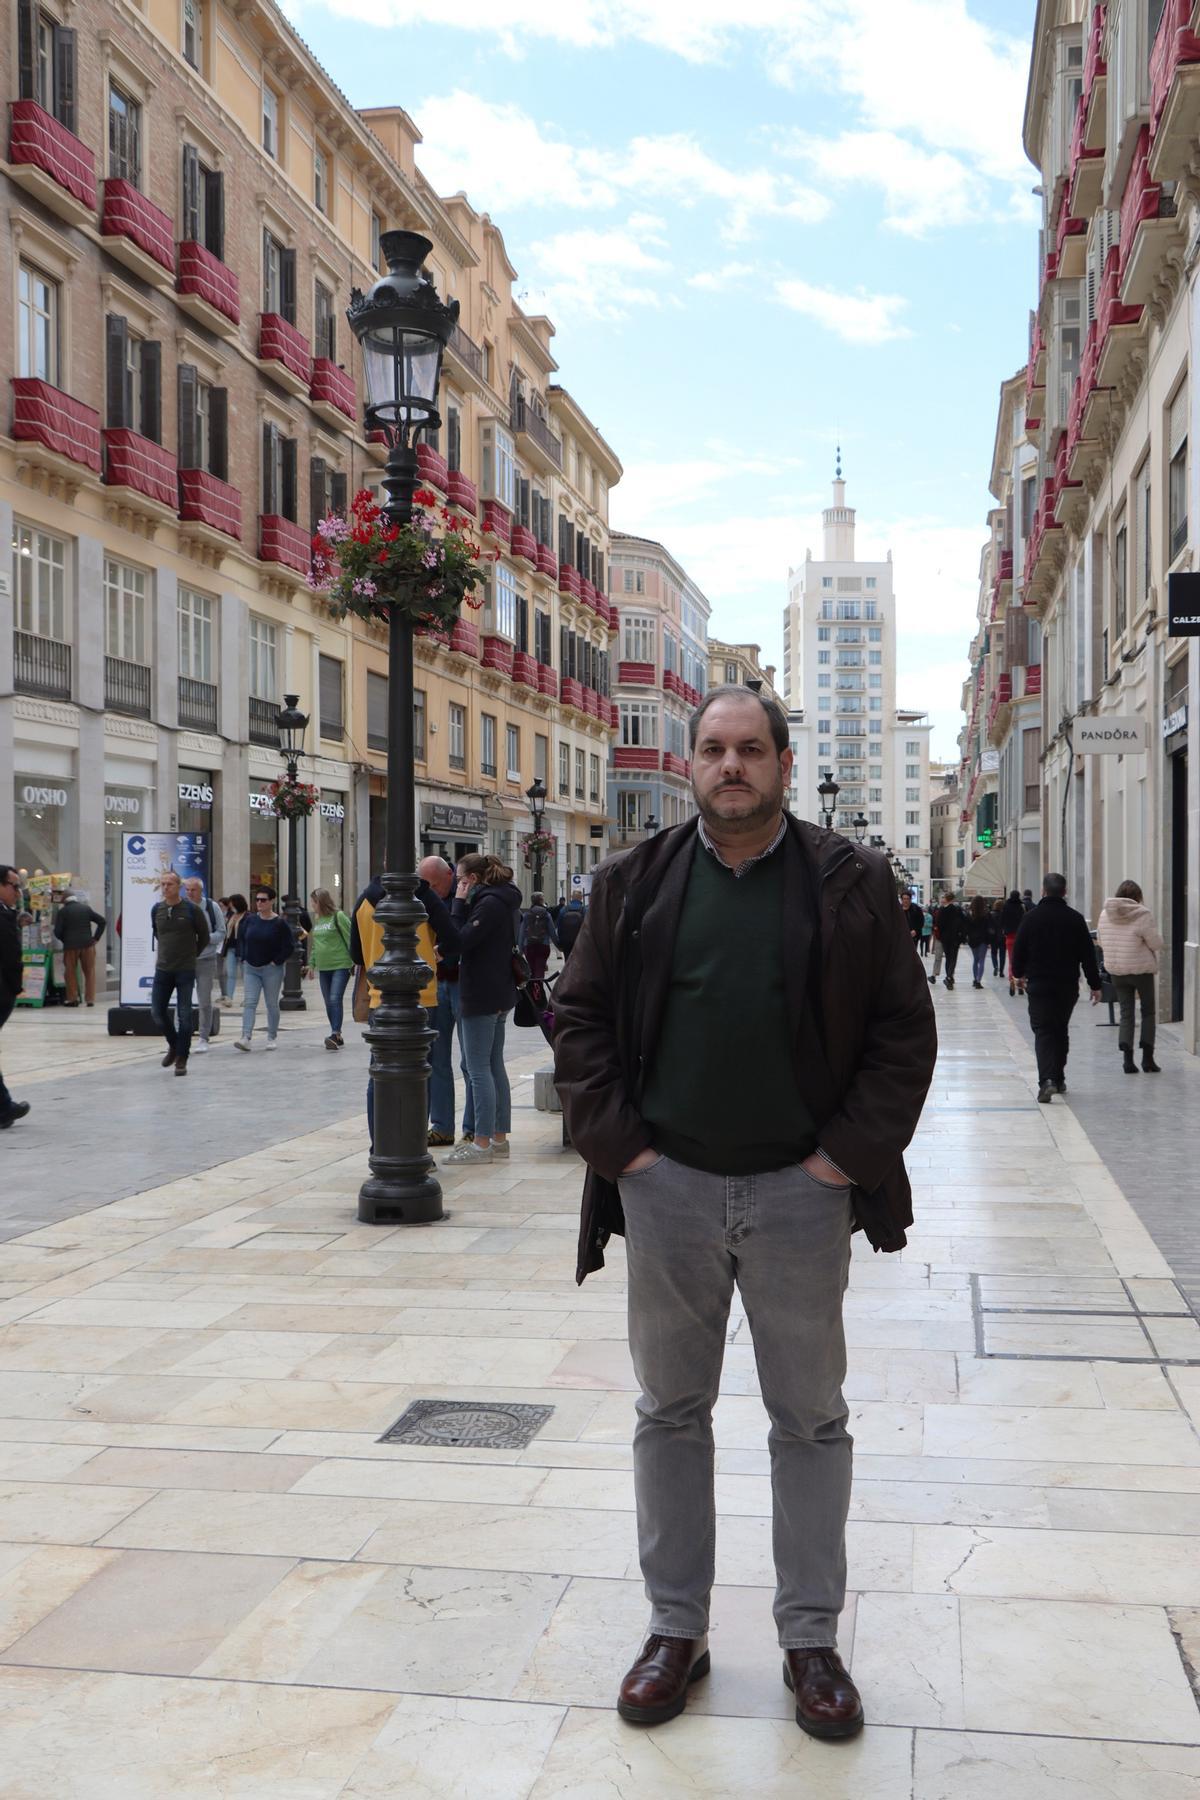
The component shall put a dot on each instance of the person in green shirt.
(329, 944)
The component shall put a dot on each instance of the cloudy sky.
(759, 228)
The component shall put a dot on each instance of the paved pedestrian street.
(217, 1583)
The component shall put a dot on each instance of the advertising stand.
(146, 857)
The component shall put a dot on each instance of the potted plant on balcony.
(538, 846)
(292, 799)
(365, 565)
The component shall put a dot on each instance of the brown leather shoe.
(827, 1702)
(655, 1689)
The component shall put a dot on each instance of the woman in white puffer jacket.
(1131, 942)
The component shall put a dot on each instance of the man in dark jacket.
(949, 928)
(79, 929)
(744, 1041)
(12, 976)
(915, 915)
(180, 931)
(570, 924)
(1052, 945)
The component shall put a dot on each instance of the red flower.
(424, 497)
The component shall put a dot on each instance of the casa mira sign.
(1110, 734)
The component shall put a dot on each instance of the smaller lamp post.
(651, 824)
(828, 789)
(860, 827)
(291, 725)
(536, 796)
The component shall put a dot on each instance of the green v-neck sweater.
(722, 1092)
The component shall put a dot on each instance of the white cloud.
(732, 274)
(592, 274)
(505, 160)
(923, 190)
(859, 318)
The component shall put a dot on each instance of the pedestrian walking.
(180, 932)
(79, 929)
(996, 937)
(1131, 941)
(926, 931)
(978, 934)
(744, 1042)
(329, 948)
(1012, 917)
(914, 916)
(1027, 900)
(435, 933)
(570, 923)
(208, 963)
(486, 904)
(266, 942)
(950, 923)
(12, 978)
(537, 936)
(1053, 944)
(237, 908)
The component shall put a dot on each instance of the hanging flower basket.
(366, 566)
(538, 844)
(293, 799)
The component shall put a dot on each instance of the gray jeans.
(207, 972)
(784, 1239)
(1129, 988)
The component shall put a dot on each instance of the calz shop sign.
(1183, 605)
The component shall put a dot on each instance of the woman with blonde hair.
(329, 944)
(1131, 942)
(487, 903)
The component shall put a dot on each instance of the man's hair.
(265, 888)
(10, 872)
(1055, 887)
(776, 717)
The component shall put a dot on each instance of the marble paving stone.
(1062, 1433)
(39, 1579)
(1126, 1568)
(1100, 1510)
(438, 1630)
(133, 1737)
(282, 1634)
(1074, 1671)
(425, 1480)
(229, 1471)
(148, 1612)
(597, 1757)
(951, 1765)
(430, 1750)
(254, 1355)
(42, 1462)
(359, 1405)
(63, 1513)
(544, 1540)
(1067, 1336)
(934, 1503)
(908, 1659)
(74, 1349)
(249, 1524)
(1175, 1337)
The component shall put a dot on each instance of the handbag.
(521, 971)
(360, 1000)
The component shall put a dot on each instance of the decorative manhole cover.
(479, 1424)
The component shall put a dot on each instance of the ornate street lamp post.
(651, 825)
(536, 796)
(828, 790)
(860, 827)
(291, 725)
(402, 328)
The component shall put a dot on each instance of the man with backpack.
(207, 961)
(181, 933)
(536, 936)
(570, 924)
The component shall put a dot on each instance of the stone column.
(8, 759)
(231, 858)
(89, 697)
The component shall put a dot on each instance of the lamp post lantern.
(536, 796)
(402, 329)
(860, 827)
(651, 825)
(291, 725)
(828, 789)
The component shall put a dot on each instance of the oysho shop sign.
(32, 795)
(128, 806)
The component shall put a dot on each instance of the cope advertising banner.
(146, 856)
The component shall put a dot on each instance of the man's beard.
(767, 807)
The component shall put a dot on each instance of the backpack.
(569, 927)
(537, 925)
(194, 913)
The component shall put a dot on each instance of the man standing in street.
(436, 872)
(744, 1041)
(915, 915)
(537, 936)
(208, 961)
(181, 933)
(569, 925)
(79, 929)
(950, 927)
(1052, 945)
(11, 978)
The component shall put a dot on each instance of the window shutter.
(270, 500)
(453, 438)
(135, 145)
(187, 416)
(151, 423)
(522, 623)
(329, 675)
(318, 489)
(218, 433)
(214, 212)
(287, 285)
(338, 492)
(27, 77)
(268, 245)
(191, 195)
(64, 76)
(116, 340)
(562, 648)
(288, 507)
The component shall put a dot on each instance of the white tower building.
(839, 685)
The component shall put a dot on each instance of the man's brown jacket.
(865, 1041)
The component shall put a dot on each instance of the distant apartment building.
(839, 678)
(661, 675)
(947, 857)
(740, 665)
